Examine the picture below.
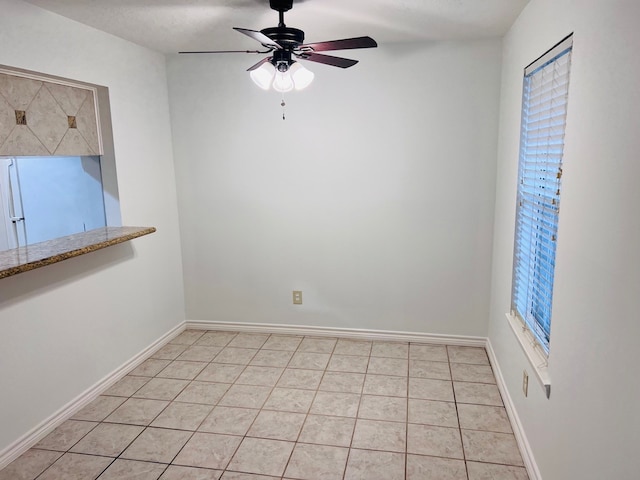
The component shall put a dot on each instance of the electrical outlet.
(297, 297)
(525, 383)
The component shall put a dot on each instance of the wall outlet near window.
(525, 383)
(297, 297)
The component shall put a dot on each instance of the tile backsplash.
(40, 118)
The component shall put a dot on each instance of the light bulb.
(263, 75)
(302, 77)
(283, 82)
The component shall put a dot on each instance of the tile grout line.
(455, 400)
(245, 366)
(355, 421)
(261, 409)
(170, 402)
(284, 368)
(406, 436)
(160, 413)
(174, 399)
(231, 457)
(315, 395)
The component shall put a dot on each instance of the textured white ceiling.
(170, 26)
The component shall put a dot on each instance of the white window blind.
(544, 110)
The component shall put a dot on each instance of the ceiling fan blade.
(259, 36)
(231, 51)
(257, 65)
(344, 44)
(328, 60)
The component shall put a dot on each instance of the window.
(57, 159)
(544, 111)
(42, 198)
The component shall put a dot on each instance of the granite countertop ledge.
(23, 259)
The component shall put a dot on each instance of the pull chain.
(282, 104)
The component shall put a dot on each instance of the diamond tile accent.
(74, 143)
(7, 120)
(18, 91)
(23, 142)
(62, 118)
(47, 120)
(21, 117)
(69, 98)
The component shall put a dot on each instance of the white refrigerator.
(42, 198)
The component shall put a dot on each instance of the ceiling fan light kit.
(296, 76)
(280, 71)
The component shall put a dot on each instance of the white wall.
(375, 197)
(590, 427)
(64, 327)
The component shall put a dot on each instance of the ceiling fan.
(281, 71)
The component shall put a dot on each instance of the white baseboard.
(32, 437)
(354, 333)
(518, 430)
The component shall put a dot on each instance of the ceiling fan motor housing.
(281, 5)
(287, 37)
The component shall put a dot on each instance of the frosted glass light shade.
(283, 82)
(302, 77)
(266, 76)
(263, 75)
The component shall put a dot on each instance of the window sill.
(23, 259)
(536, 358)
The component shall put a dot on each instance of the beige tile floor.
(237, 406)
